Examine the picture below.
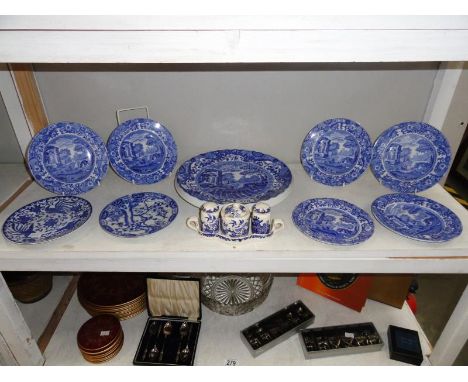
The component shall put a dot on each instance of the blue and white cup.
(207, 223)
(262, 224)
(209, 218)
(235, 221)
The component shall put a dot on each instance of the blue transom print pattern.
(333, 221)
(226, 176)
(46, 219)
(336, 152)
(67, 158)
(410, 157)
(416, 217)
(142, 151)
(260, 226)
(138, 214)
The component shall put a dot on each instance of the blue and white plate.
(142, 151)
(228, 176)
(138, 214)
(336, 152)
(46, 219)
(410, 157)
(333, 221)
(67, 158)
(416, 217)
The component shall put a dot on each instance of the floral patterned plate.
(46, 219)
(138, 214)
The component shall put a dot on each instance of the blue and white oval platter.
(228, 176)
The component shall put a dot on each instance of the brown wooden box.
(390, 289)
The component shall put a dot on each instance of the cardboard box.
(390, 289)
(349, 289)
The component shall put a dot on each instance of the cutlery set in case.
(277, 327)
(340, 339)
(168, 342)
(171, 333)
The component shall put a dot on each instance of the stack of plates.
(121, 294)
(100, 338)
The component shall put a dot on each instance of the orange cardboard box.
(349, 289)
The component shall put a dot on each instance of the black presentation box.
(404, 345)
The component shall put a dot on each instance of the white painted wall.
(456, 121)
(10, 151)
(247, 106)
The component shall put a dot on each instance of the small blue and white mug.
(209, 218)
(208, 221)
(235, 221)
(262, 224)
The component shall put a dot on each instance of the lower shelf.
(220, 340)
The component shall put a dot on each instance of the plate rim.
(173, 217)
(326, 124)
(198, 202)
(55, 237)
(373, 210)
(58, 190)
(366, 215)
(118, 164)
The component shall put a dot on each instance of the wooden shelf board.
(241, 39)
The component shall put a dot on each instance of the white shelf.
(179, 249)
(37, 315)
(12, 176)
(241, 39)
(220, 335)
